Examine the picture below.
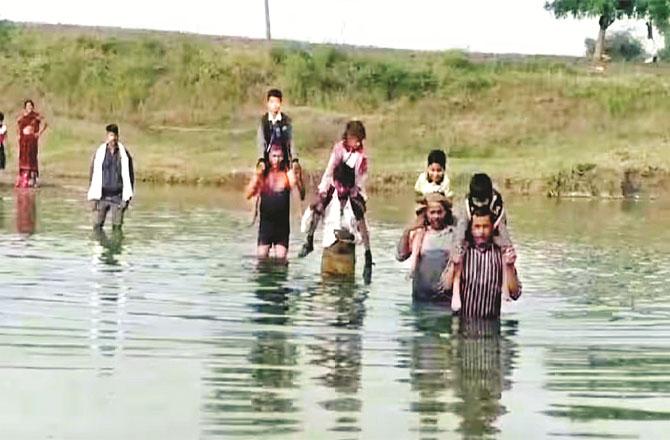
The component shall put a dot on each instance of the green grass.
(188, 105)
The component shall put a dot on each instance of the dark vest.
(279, 132)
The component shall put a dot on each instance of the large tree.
(607, 11)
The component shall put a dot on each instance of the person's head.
(2, 117)
(112, 133)
(276, 157)
(437, 163)
(274, 99)
(28, 105)
(481, 226)
(481, 189)
(438, 211)
(354, 135)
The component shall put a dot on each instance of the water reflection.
(471, 360)
(254, 398)
(112, 246)
(339, 303)
(26, 211)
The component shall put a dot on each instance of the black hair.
(28, 101)
(2, 116)
(438, 157)
(481, 187)
(112, 128)
(274, 93)
(354, 128)
(480, 211)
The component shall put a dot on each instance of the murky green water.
(172, 331)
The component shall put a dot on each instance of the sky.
(495, 26)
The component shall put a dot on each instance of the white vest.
(95, 190)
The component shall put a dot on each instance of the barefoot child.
(274, 187)
(431, 246)
(345, 175)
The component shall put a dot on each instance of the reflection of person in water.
(273, 355)
(475, 362)
(112, 246)
(338, 303)
(482, 369)
(26, 211)
(262, 386)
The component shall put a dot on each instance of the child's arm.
(417, 240)
(327, 177)
(502, 238)
(459, 234)
(292, 181)
(260, 142)
(456, 302)
(293, 151)
(361, 173)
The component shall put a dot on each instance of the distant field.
(188, 105)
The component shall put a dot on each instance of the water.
(173, 331)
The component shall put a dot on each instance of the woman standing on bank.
(31, 126)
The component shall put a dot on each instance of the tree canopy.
(610, 10)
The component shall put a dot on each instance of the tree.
(607, 11)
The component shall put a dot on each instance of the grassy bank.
(188, 105)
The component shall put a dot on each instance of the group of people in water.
(461, 257)
(464, 259)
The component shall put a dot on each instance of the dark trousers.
(104, 206)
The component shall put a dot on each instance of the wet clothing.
(482, 281)
(433, 259)
(28, 143)
(107, 204)
(274, 227)
(276, 130)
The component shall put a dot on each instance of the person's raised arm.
(513, 283)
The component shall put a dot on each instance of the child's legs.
(502, 238)
(319, 208)
(359, 208)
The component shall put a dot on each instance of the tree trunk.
(604, 22)
(267, 20)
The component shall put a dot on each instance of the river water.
(173, 331)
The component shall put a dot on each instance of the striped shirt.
(482, 282)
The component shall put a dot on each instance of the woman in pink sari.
(31, 125)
